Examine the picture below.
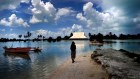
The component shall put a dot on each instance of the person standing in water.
(73, 51)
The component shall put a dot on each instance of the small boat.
(96, 43)
(17, 49)
(36, 49)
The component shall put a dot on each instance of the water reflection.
(38, 65)
(79, 44)
(15, 55)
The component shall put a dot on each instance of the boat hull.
(18, 50)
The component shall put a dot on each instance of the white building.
(78, 35)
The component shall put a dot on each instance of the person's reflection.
(73, 51)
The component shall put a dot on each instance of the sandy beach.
(83, 68)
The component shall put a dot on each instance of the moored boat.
(17, 49)
(36, 49)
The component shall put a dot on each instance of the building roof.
(78, 35)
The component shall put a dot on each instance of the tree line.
(27, 37)
(99, 37)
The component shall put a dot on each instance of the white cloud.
(46, 33)
(11, 4)
(76, 27)
(63, 12)
(60, 32)
(25, 1)
(11, 35)
(34, 20)
(46, 12)
(111, 18)
(13, 20)
(83, 20)
(65, 31)
(81, 17)
(68, 30)
(87, 7)
(41, 32)
(4, 22)
(136, 19)
(42, 12)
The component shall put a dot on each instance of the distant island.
(73, 36)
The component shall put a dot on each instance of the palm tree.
(19, 36)
(71, 34)
(29, 34)
(43, 37)
(39, 36)
(89, 34)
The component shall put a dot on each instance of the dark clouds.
(131, 10)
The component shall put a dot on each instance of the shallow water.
(38, 65)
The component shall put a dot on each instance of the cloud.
(88, 6)
(130, 9)
(81, 18)
(63, 12)
(90, 17)
(46, 33)
(11, 4)
(11, 35)
(41, 32)
(77, 27)
(137, 19)
(13, 20)
(46, 12)
(68, 30)
(42, 12)
(111, 18)
(126, 5)
(60, 32)
(34, 20)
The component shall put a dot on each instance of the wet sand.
(83, 68)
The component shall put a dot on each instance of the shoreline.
(120, 64)
(83, 68)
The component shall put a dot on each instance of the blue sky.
(61, 17)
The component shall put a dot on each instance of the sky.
(61, 17)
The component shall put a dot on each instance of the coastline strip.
(83, 68)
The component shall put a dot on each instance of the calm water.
(39, 65)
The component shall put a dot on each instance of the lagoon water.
(38, 65)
